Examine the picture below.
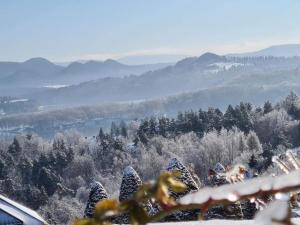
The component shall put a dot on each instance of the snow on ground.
(56, 86)
(19, 100)
(223, 66)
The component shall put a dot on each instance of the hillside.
(188, 75)
(88, 119)
(39, 72)
(287, 50)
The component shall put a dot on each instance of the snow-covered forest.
(54, 176)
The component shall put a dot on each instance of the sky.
(68, 30)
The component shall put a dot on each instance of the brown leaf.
(106, 207)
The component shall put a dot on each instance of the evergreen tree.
(229, 119)
(187, 179)
(215, 119)
(100, 136)
(253, 163)
(48, 180)
(267, 155)
(25, 167)
(59, 144)
(130, 183)
(114, 130)
(129, 186)
(163, 126)
(3, 170)
(290, 102)
(123, 129)
(152, 131)
(143, 132)
(15, 149)
(203, 122)
(97, 194)
(268, 107)
(255, 151)
(243, 117)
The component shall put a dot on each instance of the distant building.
(13, 213)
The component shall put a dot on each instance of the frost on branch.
(218, 177)
(250, 188)
(277, 212)
(288, 161)
(97, 193)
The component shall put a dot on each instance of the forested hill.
(53, 176)
(189, 75)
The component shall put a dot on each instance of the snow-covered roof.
(20, 212)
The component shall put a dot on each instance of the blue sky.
(64, 30)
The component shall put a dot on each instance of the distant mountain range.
(111, 90)
(38, 72)
(288, 50)
(94, 82)
(206, 72)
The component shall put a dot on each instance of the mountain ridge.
(284, 50)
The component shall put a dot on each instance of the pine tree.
(243, 116)
(215, 117)
(3, 169)
(123, 129)
(163, 126)
(100, 136)
(267, 154)
(268, 107)
(187, 179)
(253, 163)
(152, 127)
(229, 119)
(59, 144)
(97, 194)
(130, 183)
(129, 186)
(15, 149)
(114, 130)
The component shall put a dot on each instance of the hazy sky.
(64, 30)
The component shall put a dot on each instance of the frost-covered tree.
(130, 183)
(15, 149)
(123, 129)
(97, 194)
(253, 143)
(268, 107)
(191, 186)
(217, 177)
(277, 128)
(185, 177)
